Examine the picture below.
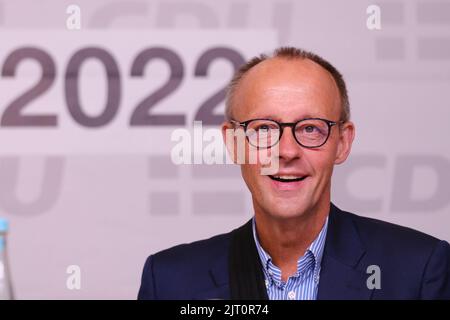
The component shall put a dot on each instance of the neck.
(286, 239)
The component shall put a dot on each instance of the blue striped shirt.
(303, 285)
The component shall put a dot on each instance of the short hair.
(289, 53)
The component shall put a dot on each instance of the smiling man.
(298, 245)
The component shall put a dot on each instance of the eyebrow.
(305, 116)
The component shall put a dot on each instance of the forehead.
(287, 89)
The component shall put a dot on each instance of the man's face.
(288, 91)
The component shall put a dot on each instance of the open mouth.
(287, 178)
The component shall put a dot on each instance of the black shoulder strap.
(246, 273)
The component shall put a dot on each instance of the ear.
(346, 136)
(229, 139)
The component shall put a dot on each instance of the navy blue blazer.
(412, 265)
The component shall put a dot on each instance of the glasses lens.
(312, 133)
(263, 133)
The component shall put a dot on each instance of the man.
(298, 245)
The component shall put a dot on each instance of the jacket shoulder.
(182, 271)
(198, 252)
(414, 265)
(378, 231)
(398, 245)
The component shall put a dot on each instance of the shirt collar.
(311, 259)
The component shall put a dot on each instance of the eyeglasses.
(265, 133)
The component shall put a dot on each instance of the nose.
(289, 149)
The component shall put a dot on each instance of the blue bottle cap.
(3, 225)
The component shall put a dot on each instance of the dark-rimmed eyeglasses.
(265, 133)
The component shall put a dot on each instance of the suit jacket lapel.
(342, 276)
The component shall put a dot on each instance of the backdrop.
(92, 91)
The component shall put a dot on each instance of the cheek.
(253, 160)
(246, 154)
(322, 163)
(250, 174)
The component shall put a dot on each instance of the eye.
(310, 129)
(263, 127)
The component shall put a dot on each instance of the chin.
(277, 211)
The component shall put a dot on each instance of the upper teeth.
(287, 177)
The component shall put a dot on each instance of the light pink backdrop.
(104, 198)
